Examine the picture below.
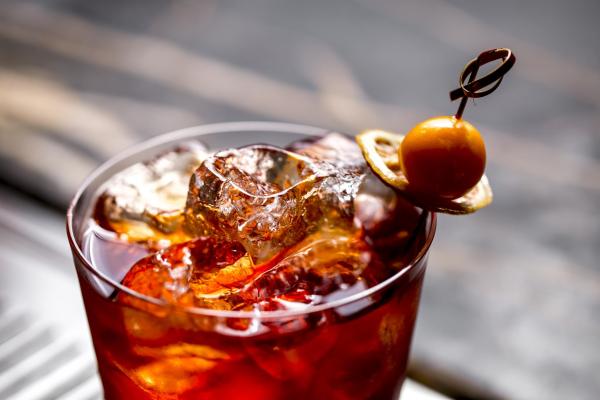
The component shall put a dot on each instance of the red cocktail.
(287, 272)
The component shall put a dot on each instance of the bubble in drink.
(145, 202)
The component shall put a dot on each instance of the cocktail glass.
(355, 347)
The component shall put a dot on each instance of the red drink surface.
(212, 333)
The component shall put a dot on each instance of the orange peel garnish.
(380, 149)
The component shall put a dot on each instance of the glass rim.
(198, 131)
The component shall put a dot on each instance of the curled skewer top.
(476, 88)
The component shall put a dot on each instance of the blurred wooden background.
(512, 301)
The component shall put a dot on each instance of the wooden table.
(510, 307)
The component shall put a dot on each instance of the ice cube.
(173, 375)
(325, 262)
(175, 274)
(175, 368)
(340, 156)
(356, 190)
(260, 196)
(212, 287)
(145, 202)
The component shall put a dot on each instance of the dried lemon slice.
(380, 149)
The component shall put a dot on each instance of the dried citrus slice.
(380, 149)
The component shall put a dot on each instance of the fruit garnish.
(439, 165)
(443, 156)
(381, 150)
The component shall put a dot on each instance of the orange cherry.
(443, 157)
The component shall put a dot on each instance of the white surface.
(415, 391)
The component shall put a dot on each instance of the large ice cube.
(177, 274)
(326, 262)
(269, 198)
(176, 368)
(342, 158)
(260, 196)
(145, 202)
